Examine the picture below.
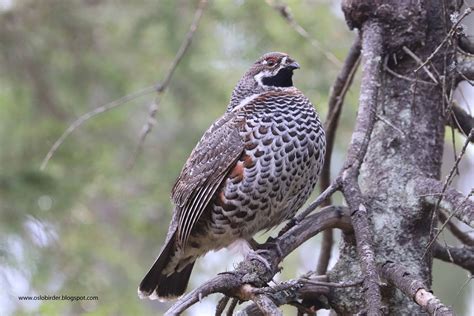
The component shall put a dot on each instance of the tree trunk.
(406, 144)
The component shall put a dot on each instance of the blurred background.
(91, 225)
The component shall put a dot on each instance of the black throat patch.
(282, 79)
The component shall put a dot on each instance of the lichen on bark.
(406, 144)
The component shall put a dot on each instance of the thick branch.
(256, 272)
(327, 217)
(336, 101)
(325, 251)
(466, 44)
(461, 120)
(371, 64)
(311, 288)
(280, 294)
(460, 256)
(452, 202)
(462, 236)
(415, 289)
(219, 284)
(266, 305)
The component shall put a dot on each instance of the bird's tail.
(156, 285)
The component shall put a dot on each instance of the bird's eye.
(269, 62)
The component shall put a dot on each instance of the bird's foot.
(269, 245)
(256, 255)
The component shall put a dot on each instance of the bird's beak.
(292, 65)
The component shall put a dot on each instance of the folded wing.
(205, 170)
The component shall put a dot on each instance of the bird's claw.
(269, 245)
(254, 255)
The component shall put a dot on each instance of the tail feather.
(156, 285)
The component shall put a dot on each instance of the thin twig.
(447, 182)
(396, 74)
(335, 185)
(429, 190)
(89, 115)
(333, 284)
(451, 215)
(419, 61)
(161, 87)
(451, 32)
(383, 119)
(285, 12)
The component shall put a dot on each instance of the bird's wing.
(212, 158)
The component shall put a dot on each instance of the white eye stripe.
(273, 61)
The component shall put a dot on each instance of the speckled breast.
(283, 156)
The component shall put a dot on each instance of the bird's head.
(274, 70)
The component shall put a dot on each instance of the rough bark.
(336, 101)
(401, 224)
(414, 288)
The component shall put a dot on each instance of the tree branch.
(265, 305)
(415, 289)
(451, 33)
(290, 291)
(221, 305)
(336, 101)
(159, 88)
(460, 256)
(452, 202)
(455, 230)
(285, 12)
(220, 284)
(372, 51)
(89, 115)
(280, 294)
(257, 273)
(461, 120)
(465, 68)
(465, 44)
(335, 185)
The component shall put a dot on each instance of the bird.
(251, 170)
